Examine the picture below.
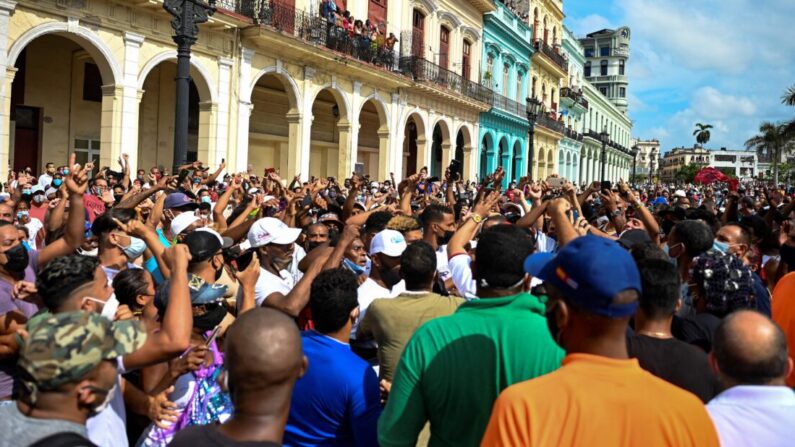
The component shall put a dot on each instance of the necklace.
(656, 334)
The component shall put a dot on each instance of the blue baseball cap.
(589, 271)
(179, 200)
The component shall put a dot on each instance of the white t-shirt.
(461, 272)
(33, 229)
(45, 179)
(109, 427)
(441, 263)
(544, 243)
(368, 292)
(269, 283)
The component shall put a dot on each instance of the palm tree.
(702, 133)
(789, 99)
(772, 140)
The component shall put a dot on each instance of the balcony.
(611, 78)
(575, 95)
(546, 120)
(421, 70)
(312, 29)
(572, 134)
(509, 105)
(558, 59)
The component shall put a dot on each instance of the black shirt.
(675, 362)
(209, 436)
(696, 330)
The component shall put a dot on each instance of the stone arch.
(426, 7)
(446, 17)
(517, 159)
(98, 50)
(415, 144)
(470, 32)
(486, 146)
(440, 147)
(380, 107)
(198, 73)
(550, 161)
(339, 96)
(290, 86)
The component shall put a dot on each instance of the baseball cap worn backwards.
(270, 230)
(589, 272)
(64, 347)
(389, 242)
(179, 200)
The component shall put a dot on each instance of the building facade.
(677, 158)
(606, 54)
(274, 84)
(741, 164)
(573, 107)
(505, 68)
(607, 134)
(648, 153)
(549, 73)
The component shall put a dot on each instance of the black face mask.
(390, 276)
(17, 259)
(552, 326)
(445, 238)
(311, 245)
(210, 319)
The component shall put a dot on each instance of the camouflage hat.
(64, 347)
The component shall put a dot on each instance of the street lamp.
(188, 14)
(604, 136)
(635, 151)
(533, 106)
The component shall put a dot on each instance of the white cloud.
(712, 104)
(588, 24)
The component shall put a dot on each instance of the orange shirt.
(783, 313)
(598, 401)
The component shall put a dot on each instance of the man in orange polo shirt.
(599, 396)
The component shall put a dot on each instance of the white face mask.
(94, 252)
(109, 307)
(108, 398)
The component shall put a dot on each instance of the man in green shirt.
(454, 367)
(393, 321)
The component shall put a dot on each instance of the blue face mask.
(57, 182)
(135, 249)
(352, 266)
(66, 172)
(26, 245)
(721, 246)
(207, 199)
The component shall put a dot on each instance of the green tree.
(702, 133)
(686, 173)
(789, 99)
(773, 140)
(728, 171)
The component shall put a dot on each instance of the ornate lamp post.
(604, 137)
(188, 14)
(533, 106)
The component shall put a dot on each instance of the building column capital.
(132, 39)
(7, 6)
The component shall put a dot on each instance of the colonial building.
(606, 54)
(608, 135)
(741, 164)
(648, 152)
(505, 68)
(675, 159)
(573, 107)
(274, 84)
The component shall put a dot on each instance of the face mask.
(109, 306)
(26, 192)
(352, 266)
(57, 182)
(135, 249)
(26, 245)
(22, 214)
(207, 199)
(211, 319)
(721, 246)
(445, 237)
(17, 259)
(390, 276)
(66, 172)
(38, 198)
(141, 178)
(93, 252)
(106, 402)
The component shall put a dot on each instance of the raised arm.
(558, 211)
(76, 183)
(211, 178)
(295, 301)
(349, 234)
(248, 282)
(220, 206)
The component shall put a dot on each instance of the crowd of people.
(204, 308)
(366, 39)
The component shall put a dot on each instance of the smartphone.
(556, 182)
(244, 260)
(306, 201)
(607, 185)
(223, 160)
(182, 174)
(213, 335)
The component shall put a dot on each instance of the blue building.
(505, 68)
(573, 107)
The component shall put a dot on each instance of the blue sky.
(722, 62)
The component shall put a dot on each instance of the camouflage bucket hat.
(64, 347)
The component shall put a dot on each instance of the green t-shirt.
(454, 367)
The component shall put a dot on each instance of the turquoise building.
(505, 68)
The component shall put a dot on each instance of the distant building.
(741, 164)
(679, 157)
(606, 55)
(647, 157)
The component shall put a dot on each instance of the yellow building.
(274, 84)
(549, 73)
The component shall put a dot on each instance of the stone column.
(6, 9)
(344, 163)
(447, 155)
(131, 100)
(354, 128)
(207, 129)
(222, 114)
(383, 155)
(110, 125)
(239, 154)
(294, 125)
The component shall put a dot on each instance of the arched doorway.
(330, 130)
(268, 135)
(486, 156)
(550, 163)
(58, 103)
(440, 149)
(516, 168)
(458, 156)
(156, 118)
(373, 143)
(413, 145)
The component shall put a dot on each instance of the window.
(621, 67)
(506, 75)
(589, 52)
(603, 68)
(87, 150)
(467, 46)
(622, 92)
(92, 83)
(604, 51)
(445, 35)
(587, 70)
(603, 90)
(519, 87)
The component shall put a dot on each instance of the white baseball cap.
(184, 220)
(269, 230)
(388, 242)
(679, 193)
(226, 242)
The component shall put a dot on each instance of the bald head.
(750, 349)
(263, 351)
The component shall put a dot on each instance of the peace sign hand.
(77, 180)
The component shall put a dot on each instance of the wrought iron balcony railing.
(509, 105)
(575, 95)
(559, 60)
(422, 70)
(545, 120)
(314, 29)
(573, 134)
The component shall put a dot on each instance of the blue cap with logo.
(589, 272)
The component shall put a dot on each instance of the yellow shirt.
(598, 401)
